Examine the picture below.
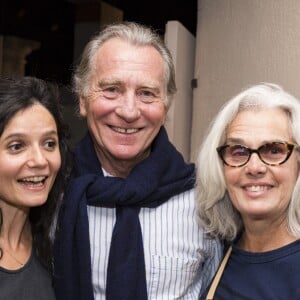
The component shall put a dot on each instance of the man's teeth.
(256, 188)
(124, 130)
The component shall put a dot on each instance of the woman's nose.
(36, 158)
(255, 165)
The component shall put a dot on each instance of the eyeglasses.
(272, 154)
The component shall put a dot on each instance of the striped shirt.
(179, 259)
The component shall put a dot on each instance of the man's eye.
(147, 96)
(111, 92)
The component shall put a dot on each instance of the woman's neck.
(15, 238)
(254, 241)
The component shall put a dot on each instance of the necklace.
(13, 257)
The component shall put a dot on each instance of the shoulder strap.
(213, 287)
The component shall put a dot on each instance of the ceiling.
(156, 13)
(51, 22)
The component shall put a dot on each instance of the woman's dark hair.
(17, 95)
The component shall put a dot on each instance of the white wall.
(239, 43)
(181, 44)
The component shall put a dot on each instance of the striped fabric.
(179, 260)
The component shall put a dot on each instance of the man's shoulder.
(186, 195)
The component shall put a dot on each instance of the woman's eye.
(276, 150)
(15, 147)
(51, 145)
(238, 151)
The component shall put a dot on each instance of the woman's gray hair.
(216, 212)
(135, 34)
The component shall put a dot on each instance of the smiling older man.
(128, 228)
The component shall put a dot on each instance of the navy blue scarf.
(153, 181)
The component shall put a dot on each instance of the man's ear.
(82, 106)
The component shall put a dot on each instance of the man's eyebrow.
(105, 82)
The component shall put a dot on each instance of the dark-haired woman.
(33, 169)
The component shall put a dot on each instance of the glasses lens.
(235, 155)
(274, 153)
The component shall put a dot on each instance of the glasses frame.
(290, 148)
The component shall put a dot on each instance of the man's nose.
(128, 108)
